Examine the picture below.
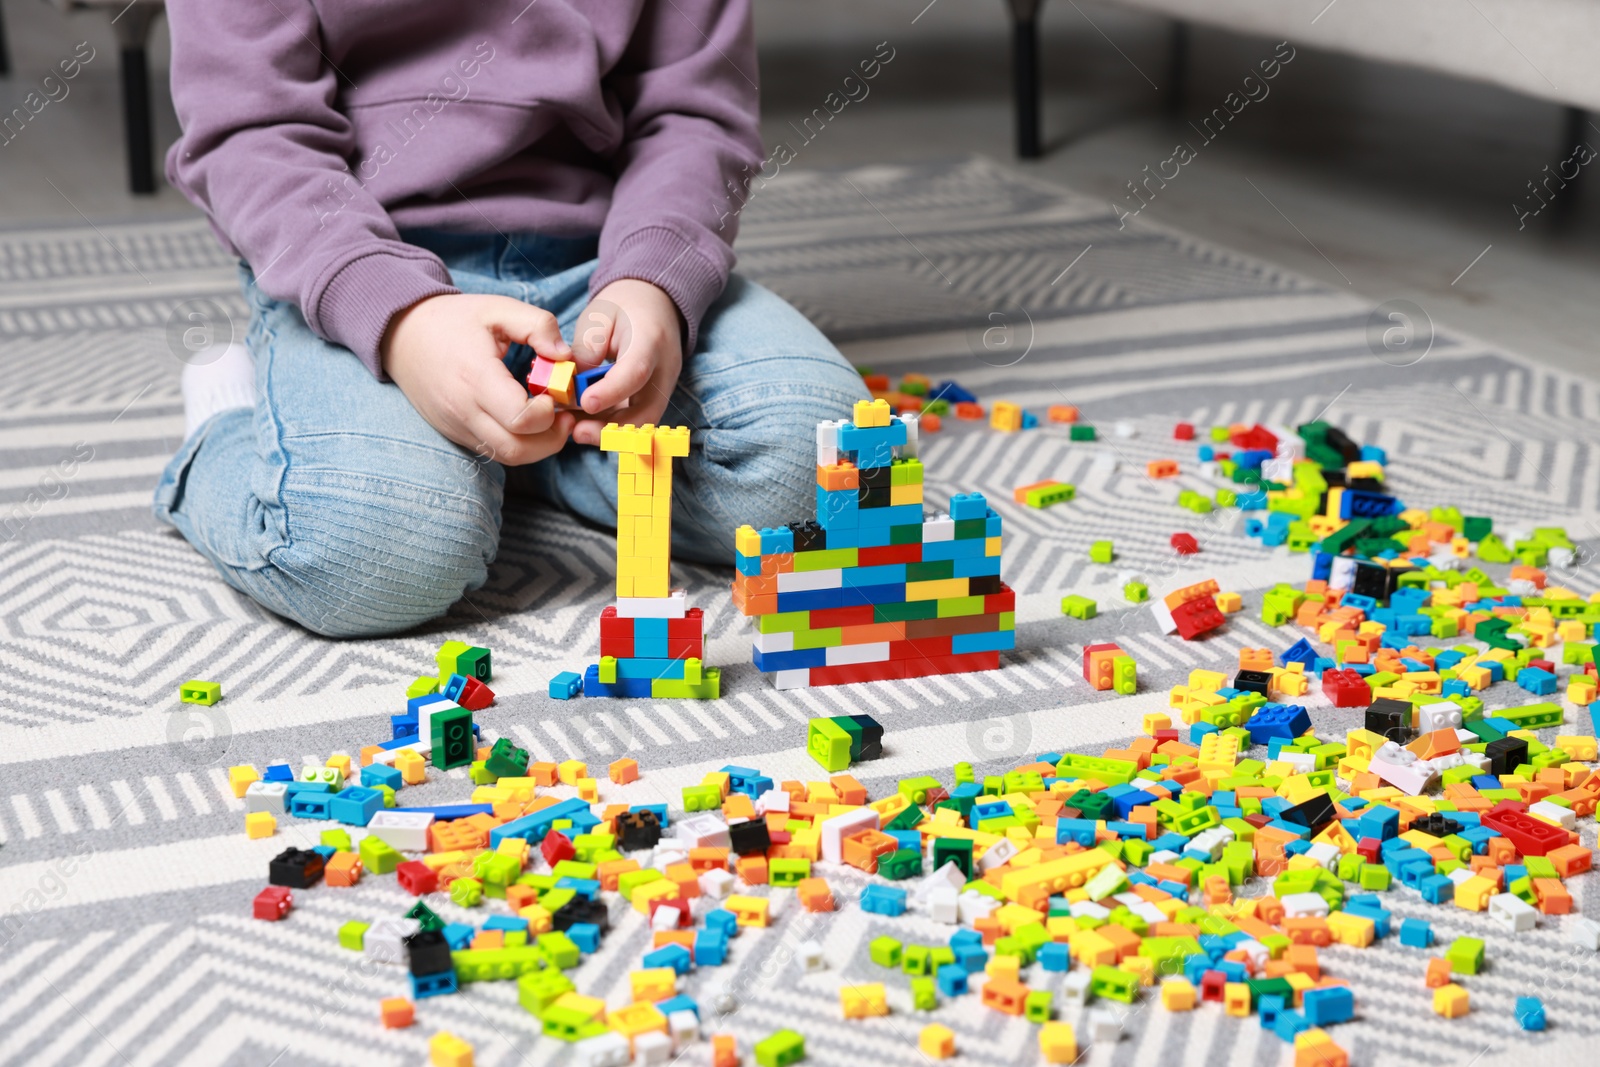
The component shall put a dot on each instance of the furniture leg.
(1025, 74)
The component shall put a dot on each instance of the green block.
(701, 797)
(910, 611)
(829, 744)
(825, 559)
(916, 789)
(496, 964)
(606, 670)
(378, 856)
(904, 863)
(466, 892)
(480, 774)
(1045, 495)
(1113, 984)
(1136, 592)
(506, 760)
(1081, 431)
(1037, 1006)
(474, 663)
(964, 773)
(909, 534)
(424, 686)
(916, 959)
(496, 869)
(560, 950)
(566, 1024)
(446, 658)
(1124, 675)
(197, 692)
(935, 571)
(452, 738)
(1465, 955)
(949, 850)
(709, 687)
(788, 871)
(1079, 607)
(885, 951)
(425, 915)
(924, 994)
(537, 990)
(780, 1050)
(338, 839)
(353, 935)
(956, 607)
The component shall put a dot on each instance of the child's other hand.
(636, 324)
(445, 354)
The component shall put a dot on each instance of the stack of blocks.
(872, 589)
(651, 642)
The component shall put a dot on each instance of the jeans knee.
(381, 568)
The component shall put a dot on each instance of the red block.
(475, 696)
(1370, 849)
(887, 555)
(1184, 431)
(1257, 436)
(921, 648)
(965, 663)
(556, 847)
(273, 903)
(1346, 688)
(1184, 544)
(620, 647)
(692, 624)
(416, 877)
(1004, 600)
(829, 618)
(685, 648)
(1196, 617)
(1532, 837)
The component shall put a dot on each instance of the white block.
(1104, 462)
(836, 829)
(809, 956)
(1148, 911)
(652, 1046)
(1324, 854)
(1522, 587)
(912, 449)
(782, 641)
(805, 581)
(1302, 762)
(1410, 778)
(1163, 617)
(1512, 912)
(773, 800)
(609, 1049)
(1555, 813)
(949, 875)
(1584, 932)
(404, 830)
(827, 443)
(1304, 906)
(684, 1026)
(267, 796)
(970, 907)
(944, 904)
(841, 655)
(672, 606)
(1565, 558)
(422, 747)
(1075, 986)
(1124, 429)
(996, 854)
(1258, 953)
(703, 830)
(1104, 1027)
(666, 917)
(1165, 855)
(1088, 909)
(1279, 469)
(384, 939)
(799, 678)
(715, 884)
(1211, 842)
(939, 528)
(1342, 575)
(1459, 875)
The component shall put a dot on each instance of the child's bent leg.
(332, 503)
(753, 393)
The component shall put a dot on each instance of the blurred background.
(1405, 143)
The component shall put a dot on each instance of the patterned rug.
(126, 879)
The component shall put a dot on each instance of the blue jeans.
(332, 503)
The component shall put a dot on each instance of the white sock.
(227, 382)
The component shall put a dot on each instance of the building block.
(197, 692)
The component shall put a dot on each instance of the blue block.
(585, 378)
(1288, 1023)
(355, 805)
(710, 948)
(893, 515)
(883, 900)
(309, 805)
(855, 596)
(975, 566)
(1537, 681)
(723, 921)
(588, 888)
(278, 772)
(586, 936)
(1081, 831)
(637, 667)
(1328, 1005)
(675, 956)
(972, 957)
(949, 390)
(997, 641)
(1530, 1013)
(433, 985)
(678, 1003)
(777, 539)
(873, 445)
(1436, 889)
(458, 935)
(1299, 652)
(1416, 933)
(867, 577)
(566, 686)
(811, 600)
(1268, 1007)
(630, 688)
(952, 979)
(1277, 721)
(750, 566)
(968, 506)
(533, 827)
(505, 922)
(991, 524)
(1054, 956)
(788, 661)
(453, 688)
(376, 774)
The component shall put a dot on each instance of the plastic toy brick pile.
(1203, 861)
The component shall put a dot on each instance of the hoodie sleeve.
(687, 86)
(263, 154)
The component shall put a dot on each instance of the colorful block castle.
(872, 588)
(651, 642)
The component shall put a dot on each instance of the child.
(423, 192)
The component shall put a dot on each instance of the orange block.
(543, 773)
(489, 939)
(1005, 994)
(1162, 468)
(396, 1012)
(708, 859)
(1062, 413)
(863, 850)
(608, 873)
(342, 868)
(1552, 896)
(724, 1051)
(623, 771)
(1570, 860)
(753, 869)
(1303, 958)
(839, 476)
(814, 894)
(1438, 973)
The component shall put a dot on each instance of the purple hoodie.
(313, 130)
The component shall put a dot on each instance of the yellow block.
(260, 824)
(870, 413)
(239, 778)
(644, 894)
(1033, 886)
(1474, 893)
(1451, 1001)
(1348, 929)
(1003, 967)
(1236, 999)
(991, 546)
(860, 1001)
(1177, 994)
(412, 767)
(937, 1042)
(640, 1017)
(749, 911)
(569, 771)
(653, 983)
(1058, 1043)
(939, 589)
(447, 1050)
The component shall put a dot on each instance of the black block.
(1340, 442)
(428, 952)
(1372, 580)
(871, 737)
(1391, 718)
(1437, 824)
(876, 478)
(638, 829)
(1314, 812)
(300, 868)
(1252, 681)
(874, 497)
(809, 537)
(581, 910)
(749, 837)
(1506, 755)
(983, 585)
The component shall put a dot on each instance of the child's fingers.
(507, 401)
(594, 334)
(512, 320)
(632, 370)
(513, 450)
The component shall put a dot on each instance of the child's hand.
(637, 324)
(444, 353)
